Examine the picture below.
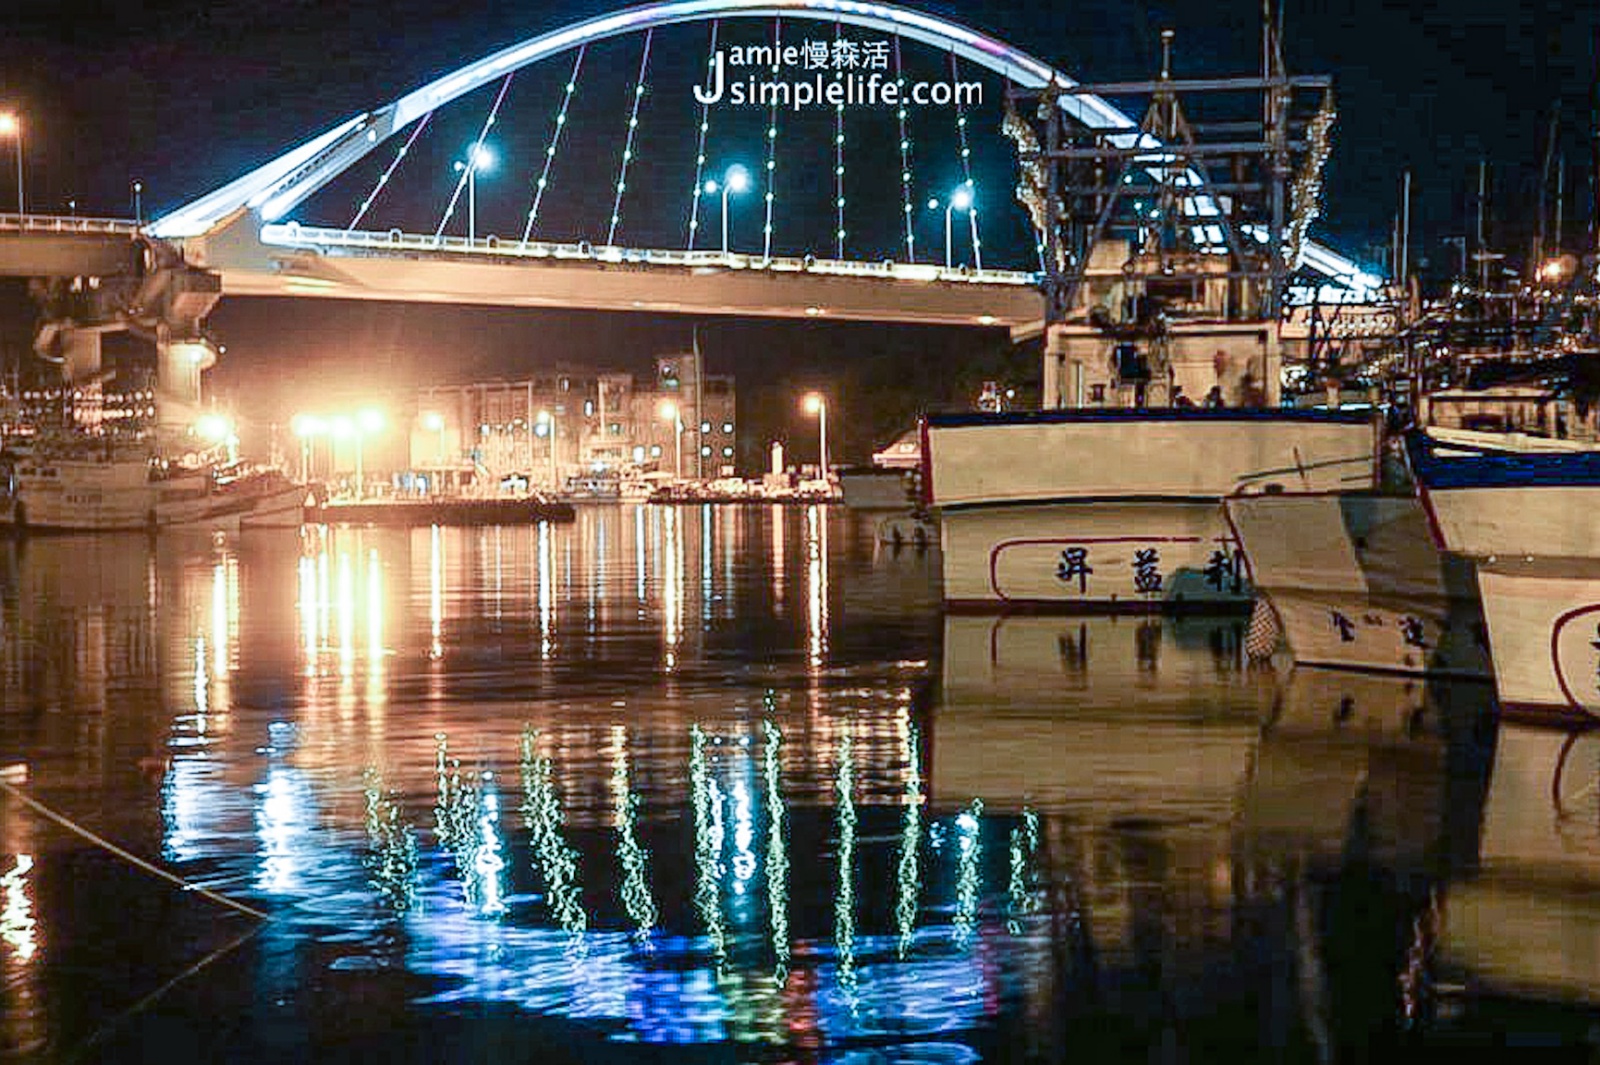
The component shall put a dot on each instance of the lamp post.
(735, 180)
(548, 421)
(669, 412)
(138, 202)
(815, 404)
(478, 158)
(11, 126)
(367, 421)
(306, 427)
(960, 200)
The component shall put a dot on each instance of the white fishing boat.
(1356, 581)
(1121, 508)
(1524, 510)
(889, 483)
(86, 484)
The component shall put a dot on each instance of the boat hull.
(1357, 582)
(1544, 630)
(109, 499)
(1119, 508)
(1101, 555)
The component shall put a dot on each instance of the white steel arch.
(276, 188)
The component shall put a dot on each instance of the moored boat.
(88, 485)
(1524, 511)
(1121, 508)
(1357, 581)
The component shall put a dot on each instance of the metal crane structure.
(1170, 249)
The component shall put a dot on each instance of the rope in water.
(127, 856)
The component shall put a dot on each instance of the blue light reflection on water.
(549, 777)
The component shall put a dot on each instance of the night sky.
(184, 96)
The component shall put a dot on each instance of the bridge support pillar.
(179, 364)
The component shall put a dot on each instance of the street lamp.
(960, 200)
(307, 426)
(669, 412)
(547, 422)
(735, 180)
(479, 158)
(344, 428)
(11, 126)
(815, 404)
(138, 202)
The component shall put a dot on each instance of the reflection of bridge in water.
(1087, 815)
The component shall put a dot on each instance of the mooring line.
(125, 855)
(111, 1025)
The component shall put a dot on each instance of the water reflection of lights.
(708, 840)
(777, 852)
(778, 559)
(636, 897)
(968, 825)
(487, 862)
(202, 683)
(1019, 889)
(219, 618)
(547, 605)
(375, 651)
(308, 613)
(436, 592)
(555, 860)
(392, 864)
(17, 926)
(347, 617)
(908, 872)
(708, 588)
(639, 556)
(597, 569)
(672, 583)
(816, 586)
(284, 824)
(456, 815)
(844, 906)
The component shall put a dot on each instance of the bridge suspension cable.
(474, 155)
(905, 158)
(705, 126)
(838, 150)
(966, 161)
(772, 148)
(383, 179)
(550, 149)
(627, 147)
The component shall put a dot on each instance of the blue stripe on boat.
(1485, 467)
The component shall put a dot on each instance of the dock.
(414, 513)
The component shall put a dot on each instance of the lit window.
(588, 408)
(705, 427)
(655, 451)
(638, 454)
(727, 427)
(727, 452)
(705, 450)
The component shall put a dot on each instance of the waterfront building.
(542, 430)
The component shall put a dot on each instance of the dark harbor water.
(724, 784)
